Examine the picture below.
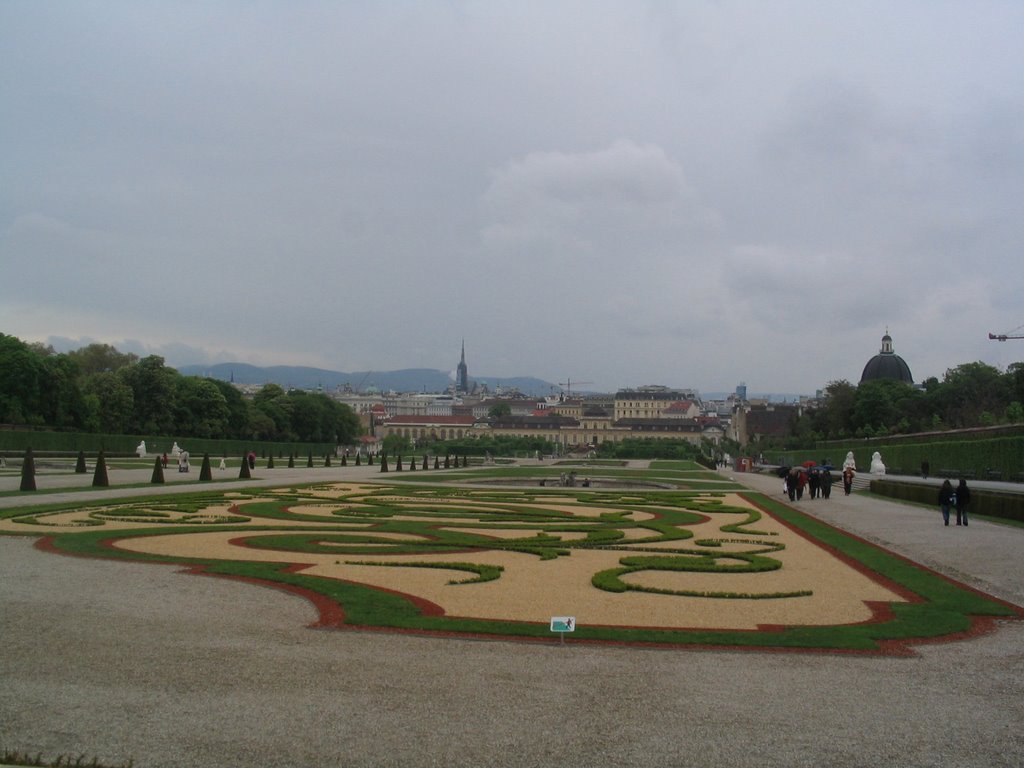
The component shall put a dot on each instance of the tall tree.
(153, 390)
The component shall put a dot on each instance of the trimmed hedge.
(1004, 455)
(1009, 506)
(13, 441)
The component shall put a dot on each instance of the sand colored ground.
(529, 588)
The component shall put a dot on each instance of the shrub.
(244, 473)
(158, 471)
(99, 476)
(205, 472)
(28, 471)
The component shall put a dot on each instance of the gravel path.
(128, 661)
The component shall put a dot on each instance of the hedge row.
(16, 441)
(1009, 506)
(1004, 455)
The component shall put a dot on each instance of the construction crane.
(1014, 334)
(568, 385)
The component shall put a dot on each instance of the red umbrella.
(809, 464)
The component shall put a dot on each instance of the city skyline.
(695, 194)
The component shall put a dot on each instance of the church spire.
(462, 376)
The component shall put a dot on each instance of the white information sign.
(563, 623)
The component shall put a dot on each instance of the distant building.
(887, 365)
(651, 402)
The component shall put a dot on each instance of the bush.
(205, 472)
(99, 476)
(158, 471)
(28, 471)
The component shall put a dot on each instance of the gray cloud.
(619, 192)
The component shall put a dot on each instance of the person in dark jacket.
(826, 484)
(945, 500)
(963, 499)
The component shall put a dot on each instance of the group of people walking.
(818, 482)
(958, 499)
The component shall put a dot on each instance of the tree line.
(969, 395)
(98, 389)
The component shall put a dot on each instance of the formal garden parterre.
(704, 564)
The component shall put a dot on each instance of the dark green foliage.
(425, 461)
(369, 459)
(358, 460)
(327, 460)
(344, 460)
(447, 461)
(291, 461)
(398, 463)
(270, 461)
(28, 472)
(495, 445)
(412, 464)
(99, 475)
(80, 468)
(309, 460)
(383, 462)
(245, 473)
(649, 449)
(205, 471)
(158, 471)
(437, 463)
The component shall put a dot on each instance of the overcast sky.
(694, 194)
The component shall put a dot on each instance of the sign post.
(561, 625)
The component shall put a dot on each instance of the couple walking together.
(959, 498)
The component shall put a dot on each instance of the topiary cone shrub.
(309, 461)
(28, 471)
(369, 459)
(465, 460)
(244, 473)
(357, 460)
(412, 464)
(344, 461)
(80, 468)
(425, 461)
(291, 461)
(398, 464)
(206, 471)
(270, 461)
(158, 471)
(99, 476)
(447, 461)
(437, 463)
(327, 460)
(383, 463)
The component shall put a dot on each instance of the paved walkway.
(127, 661)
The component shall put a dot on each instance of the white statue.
(850, 461)
(140, 450)
(175, 451)
(223, 464)
(877, 467)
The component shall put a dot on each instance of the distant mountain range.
(406, 380)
